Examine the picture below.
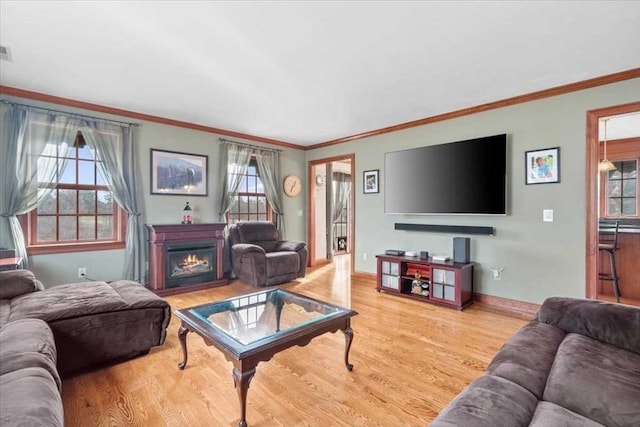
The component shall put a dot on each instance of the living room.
(537, 259)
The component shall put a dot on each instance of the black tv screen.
(465, 177)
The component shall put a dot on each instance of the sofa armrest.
(289, 245)
(614, 324)
(246, 248)
(14, 283)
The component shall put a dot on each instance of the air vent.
(5, 53)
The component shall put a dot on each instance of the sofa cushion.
(30, 398)
(518, 363)
(548, 414)
(282, 263)
(596, 380)
(67, 301)
(5, 310)
(489, 402)
(18, 282)
(614, 324)
(28, 343)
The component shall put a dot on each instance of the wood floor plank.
(410, 359)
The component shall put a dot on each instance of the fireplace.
(185, 257)
(185, 265)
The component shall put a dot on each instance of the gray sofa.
(577, 363)
(46, 334)
(259, 258)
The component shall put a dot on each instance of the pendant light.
(605, 165)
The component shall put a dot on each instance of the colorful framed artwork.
(542, 166)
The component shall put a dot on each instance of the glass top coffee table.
(250, 329)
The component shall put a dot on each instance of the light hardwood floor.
(410, 360)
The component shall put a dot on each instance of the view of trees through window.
(251, 203)
(622, 189)
(80, 208)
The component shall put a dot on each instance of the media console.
(449, 283)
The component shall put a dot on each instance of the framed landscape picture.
(542, 166)
(174, 173)
(371, 184)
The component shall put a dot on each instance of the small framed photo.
(542, 166)
(371, 181)
(179, 174)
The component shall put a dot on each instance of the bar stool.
(608, 242)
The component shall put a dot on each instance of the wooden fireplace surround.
(162, 235)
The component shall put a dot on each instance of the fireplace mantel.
(162, 236)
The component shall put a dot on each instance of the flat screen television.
(465, 177)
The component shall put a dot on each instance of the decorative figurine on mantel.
(187, 215)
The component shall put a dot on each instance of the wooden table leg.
(182, 335)
(241, 380)
(348, 337)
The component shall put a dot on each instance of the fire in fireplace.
(191, 264)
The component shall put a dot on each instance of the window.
(80, 213)
(251, 203)
(622, 189)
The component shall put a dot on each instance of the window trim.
(120, 222)
(621, 150)
(28, 221)
(271, 215)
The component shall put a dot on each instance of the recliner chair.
(259, 258)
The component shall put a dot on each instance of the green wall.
(540, 259)
(108, 265)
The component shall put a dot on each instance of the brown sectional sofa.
(46, 334)
(577, 363)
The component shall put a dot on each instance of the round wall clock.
(292, 185)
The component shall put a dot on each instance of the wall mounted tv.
(466, 177)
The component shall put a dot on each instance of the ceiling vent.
(5, 53)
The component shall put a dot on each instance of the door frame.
(311, 204)
(593, 118)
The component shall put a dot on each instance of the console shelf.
(447, 283)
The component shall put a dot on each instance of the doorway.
(613, 199)
(331, 210)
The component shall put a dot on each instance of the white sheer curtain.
(113, 148)
(233, 165)
(31, 143)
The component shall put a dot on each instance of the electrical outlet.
(365, 256)
(82, 272)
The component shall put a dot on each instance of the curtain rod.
(4, 101)
(249, 145)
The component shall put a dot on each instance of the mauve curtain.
(233, 165)
(113, 148)
(31, 141)
(269, 171)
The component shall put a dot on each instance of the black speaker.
(461, 249)
(424, 254)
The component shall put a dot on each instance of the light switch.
(300, 212)
(547, 215)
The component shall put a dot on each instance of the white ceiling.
(309, 72)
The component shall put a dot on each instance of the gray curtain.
(113, 148)
(233, 165)
(341, 189)
(269, 171)
(29, 137)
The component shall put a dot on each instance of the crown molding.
(37, 96)
(546, 93)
